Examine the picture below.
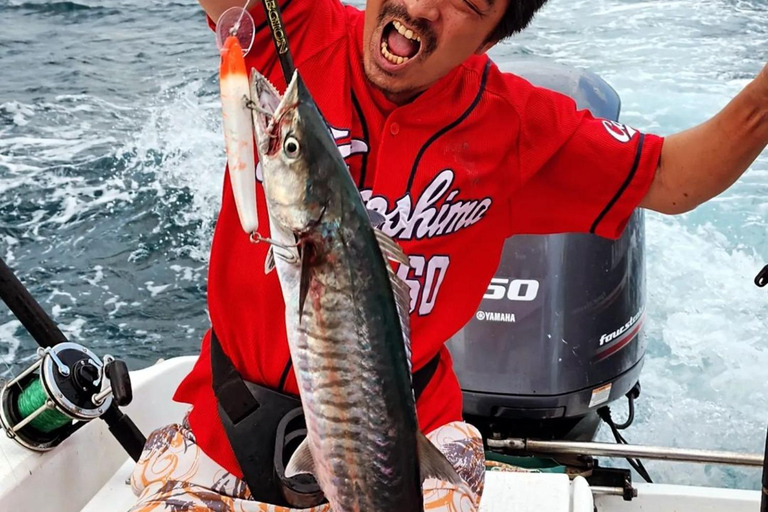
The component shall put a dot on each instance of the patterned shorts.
(174, 475)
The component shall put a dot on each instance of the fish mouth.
(270, 110)
(265, 100)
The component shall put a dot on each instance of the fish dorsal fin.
(390, 248)
(391, 251)
(402, 294)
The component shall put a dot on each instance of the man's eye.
(473, 7)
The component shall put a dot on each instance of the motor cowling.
(558, 333)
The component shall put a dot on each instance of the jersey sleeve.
(311, 25)
(578, 173)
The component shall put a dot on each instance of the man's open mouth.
(399, 43)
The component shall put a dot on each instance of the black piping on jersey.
(442, 131)
(635, 164)
(263, 25)
(284, 376)
(364, 124)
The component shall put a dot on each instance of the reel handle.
(121, 426)
(120, 382)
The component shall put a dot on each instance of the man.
(458, 156)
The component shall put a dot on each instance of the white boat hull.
(69, 476)
(88, 471)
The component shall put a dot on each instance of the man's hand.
(700, 163)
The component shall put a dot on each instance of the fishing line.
(236, 26)
(8, 366)
(34, 397)
(236, 22)
(31, 399)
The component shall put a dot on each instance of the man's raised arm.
(702, 162)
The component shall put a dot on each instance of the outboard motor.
(558, 333)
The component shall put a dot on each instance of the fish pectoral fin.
(392, 251)
(301, 461)
(307, 254)
(402, 293)
(433, 464)
(269, 261)
(287, 254)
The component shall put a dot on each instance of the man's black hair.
(518, 15)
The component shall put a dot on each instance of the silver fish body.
(346, 320)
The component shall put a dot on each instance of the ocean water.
(111, 163)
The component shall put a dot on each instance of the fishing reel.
(64, 389)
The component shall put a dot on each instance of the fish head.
(293, 154)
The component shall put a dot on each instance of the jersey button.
(394, 128)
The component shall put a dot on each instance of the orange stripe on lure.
(238, 132)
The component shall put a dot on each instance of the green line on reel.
(31, 399)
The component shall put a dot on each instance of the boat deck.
(88, 472)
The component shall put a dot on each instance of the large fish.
(346, 314)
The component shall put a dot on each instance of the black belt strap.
(423, 375)
(231, 392)
(251, 415)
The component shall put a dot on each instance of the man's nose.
(426, 9)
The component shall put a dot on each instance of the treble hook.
(293, 250)
(250, 104)
(256, 238)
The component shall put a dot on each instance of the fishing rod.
(279, 37)
(27, 310)
(65, 388)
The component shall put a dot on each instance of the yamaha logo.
(492, 316)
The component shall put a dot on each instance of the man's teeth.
(406, 31)
(394, 59)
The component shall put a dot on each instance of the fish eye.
(291, 147)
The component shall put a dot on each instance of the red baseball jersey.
(480, 156)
